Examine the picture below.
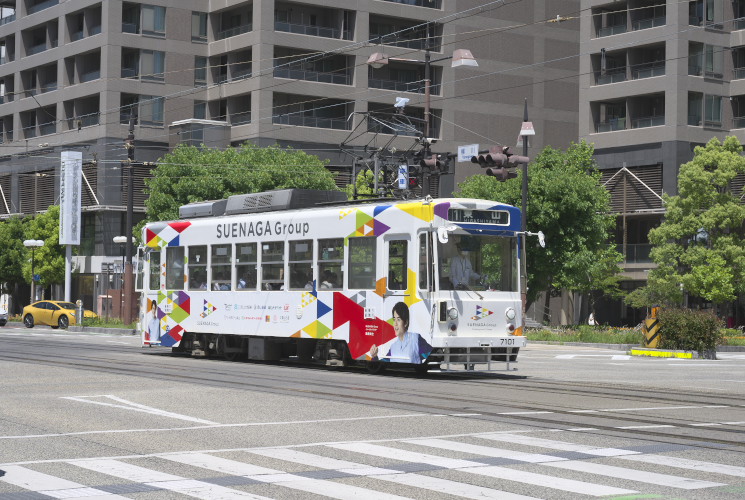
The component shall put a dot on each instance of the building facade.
(658, 78)
(221, 72)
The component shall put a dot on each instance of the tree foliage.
(13, 254)
(699, 248)
(49, 260)
(567, 203)
(189, 174)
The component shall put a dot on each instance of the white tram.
(301, 274)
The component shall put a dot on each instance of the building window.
(200, 71)
(152, 65)
(198, 26)
(153, 20)
(713, 111)
(695, 100)
(151, 110)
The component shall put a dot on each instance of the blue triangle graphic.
(174, 242)
(322, 309)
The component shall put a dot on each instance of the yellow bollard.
(651, 329)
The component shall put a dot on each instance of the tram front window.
(478, 263)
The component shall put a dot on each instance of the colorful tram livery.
(433, 283)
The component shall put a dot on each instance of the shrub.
(689, 330)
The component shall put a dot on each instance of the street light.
(121, 240)
(33, 244)
(460, 57)
(526, 130)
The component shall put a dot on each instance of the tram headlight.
(453, 313)
(510, 313)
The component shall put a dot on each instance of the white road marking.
(473, 467)
(129, 405)
(317, 486)
(557, 483)
(684, 463)
(486, 451)
(634, 475)
(556, 445)
(416, 480)
(614, 357)
(54, 487)
(170, 482)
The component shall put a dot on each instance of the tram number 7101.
(506, 341)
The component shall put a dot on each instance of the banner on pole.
(70, 190)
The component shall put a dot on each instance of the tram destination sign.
(500, 217)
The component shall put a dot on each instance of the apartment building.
(294, 73)
(658, 78)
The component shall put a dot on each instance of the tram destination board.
(500, 217)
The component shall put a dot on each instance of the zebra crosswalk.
(508, 466)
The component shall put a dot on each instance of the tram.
(305, 275)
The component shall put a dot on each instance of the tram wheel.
(376, 367)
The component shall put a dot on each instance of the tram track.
(222, 374)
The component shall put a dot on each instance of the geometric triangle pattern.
(481, 312)
(207, 309)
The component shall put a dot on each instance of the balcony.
(48, 128)
(636, 252)
(90, 76)
(307, 29)
(36, 49)
(240, 118)
(612, 30)
(235, 31)
(7, 19)
(33, 9)
(651, 22)
(648, 121)
(432, 4)
(738, 122)
(614, 75)
(612, 125)
(378, 83)
(738, 73)
(648, 70)
(313, 76)
(310, 121)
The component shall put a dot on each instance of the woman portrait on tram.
(407, 347)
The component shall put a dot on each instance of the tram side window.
(397, 264)
(301, 265)
(425, 258)
(245, 265)
(362, 262)
(221, 263)
(174, 268)
(273, 265)
(197, 266)
(154, 278)
(139, 270)
(330, 262)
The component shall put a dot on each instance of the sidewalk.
(637, 350)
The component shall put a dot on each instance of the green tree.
(567, 203)
(189, 174)
(12, 257)
(49, 260)
(699, 247)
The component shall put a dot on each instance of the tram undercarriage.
(335, 353)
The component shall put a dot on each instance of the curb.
(637, 350)
(662, 353)
(113, 331)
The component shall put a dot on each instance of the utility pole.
(128, 282)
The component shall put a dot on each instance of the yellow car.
(55, 313)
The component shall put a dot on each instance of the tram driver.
(461, 270)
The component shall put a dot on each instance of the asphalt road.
(97, 416)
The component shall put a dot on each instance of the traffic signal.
(433, 163)
(414, 172)
(496, 160)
